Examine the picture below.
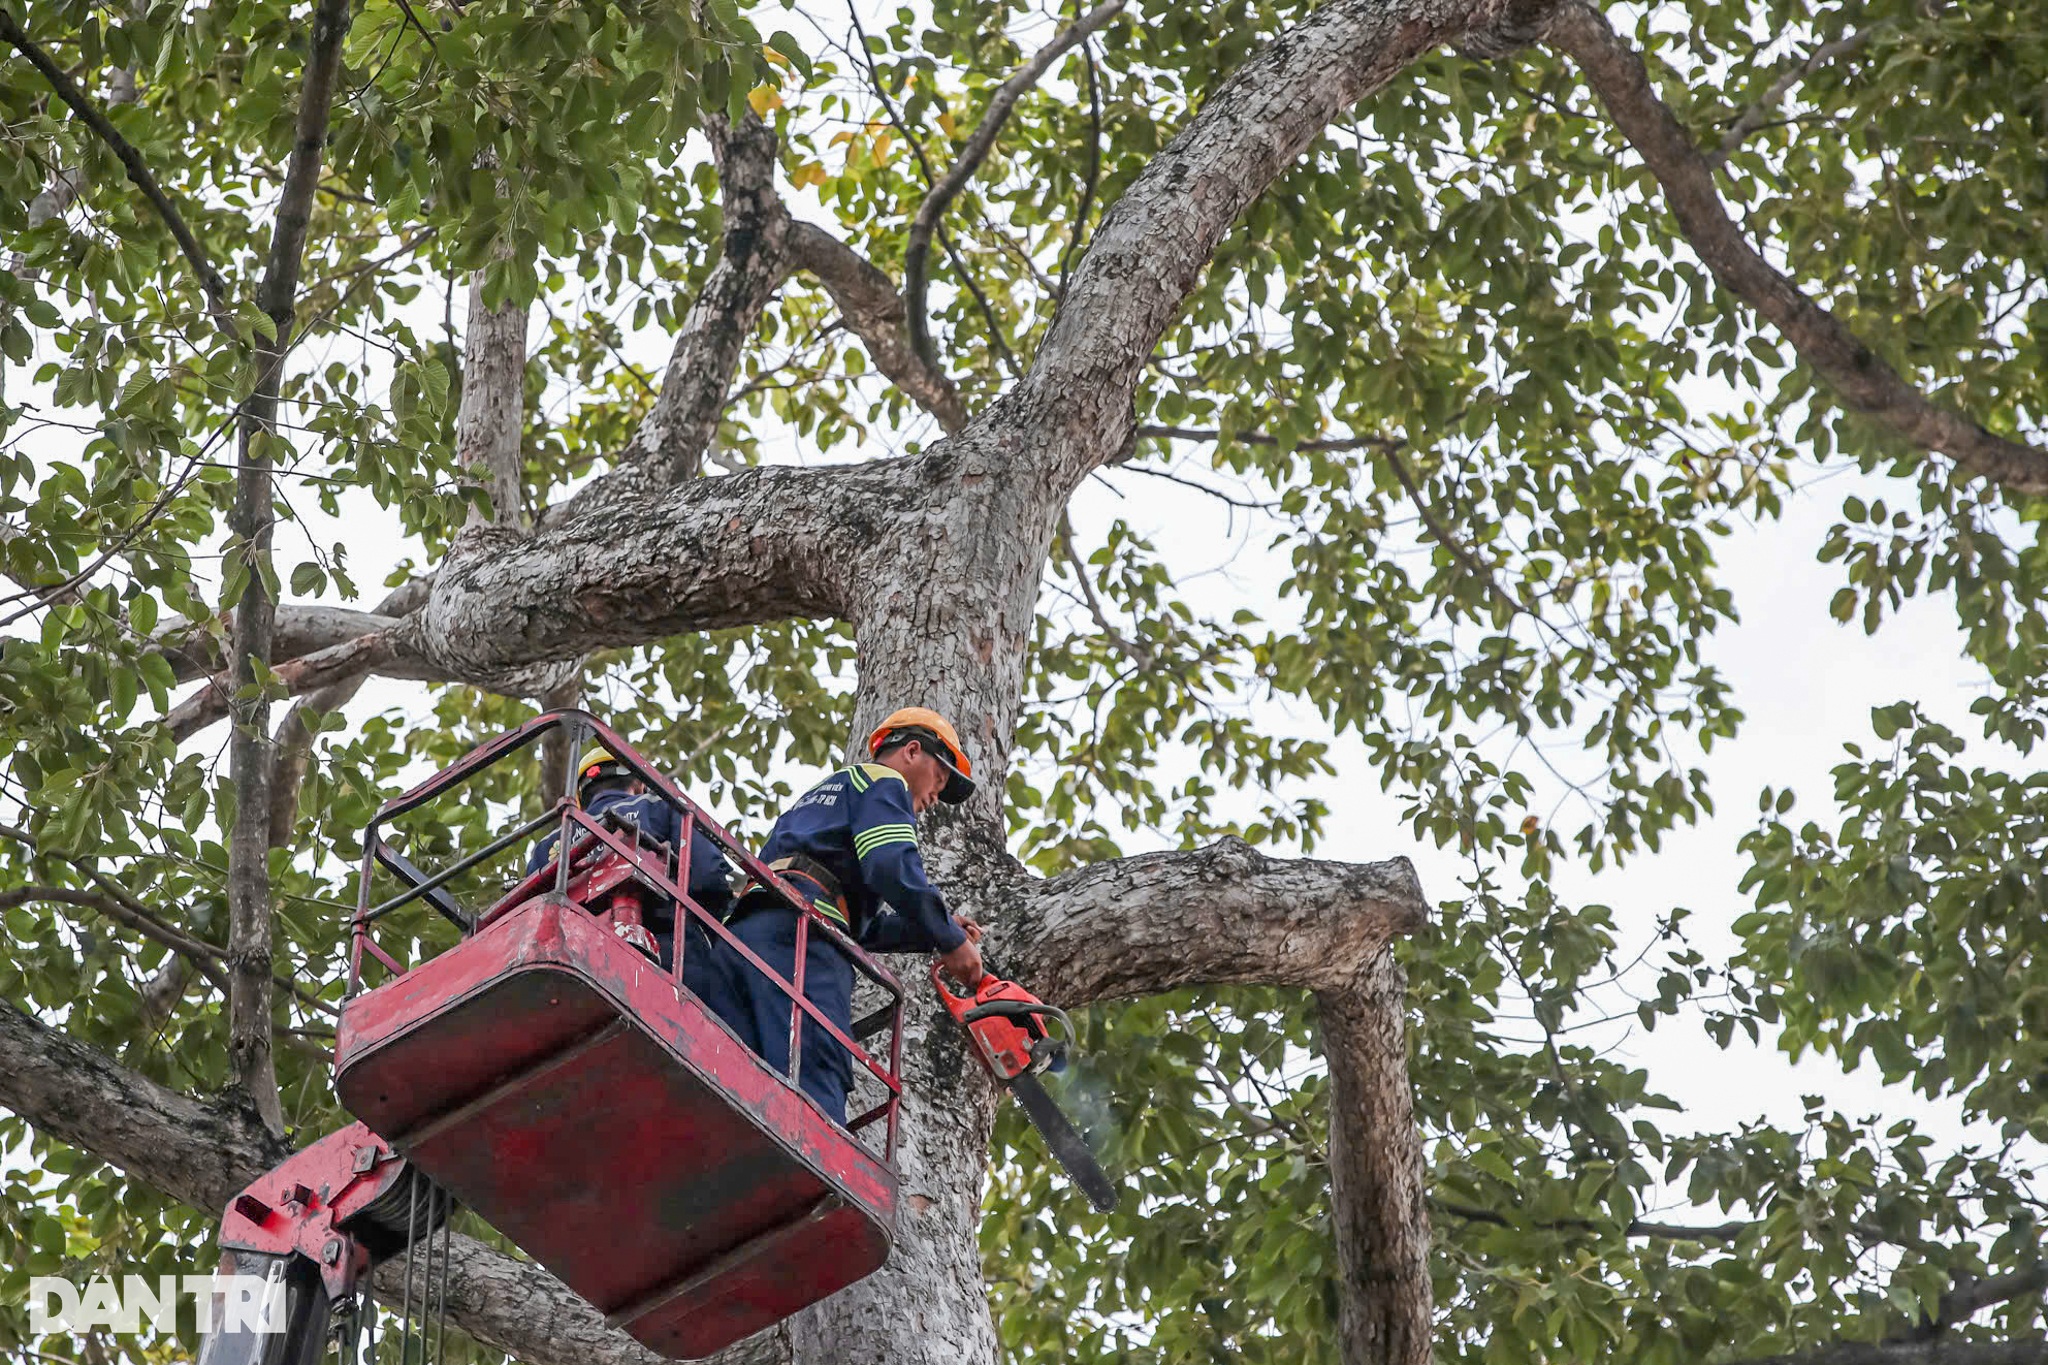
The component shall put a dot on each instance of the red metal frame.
(592, 836)
(305, 1205)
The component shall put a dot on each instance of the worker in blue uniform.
(605, 786)
(850, 843)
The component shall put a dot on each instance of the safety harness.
(832, 905)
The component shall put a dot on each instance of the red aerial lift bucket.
(559, 1082)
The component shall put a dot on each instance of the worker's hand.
(963, 964)
(972, 928)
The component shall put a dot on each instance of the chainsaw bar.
(1067, 1144)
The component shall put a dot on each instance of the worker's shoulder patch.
(874, 772)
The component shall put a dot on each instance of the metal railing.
(590, 835)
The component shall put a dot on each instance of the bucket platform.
(564, 1086)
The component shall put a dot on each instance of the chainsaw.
(1009, 1026)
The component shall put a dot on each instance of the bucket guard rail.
(579, 837)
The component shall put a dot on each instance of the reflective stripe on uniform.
(868, 840)
(865, 775)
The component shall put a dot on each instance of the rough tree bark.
(1377, 1187)
(489, 422)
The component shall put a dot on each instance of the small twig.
(1094, 174)
(1136, 653)
(1754, 119)
(138, 170)
(1260, 438)
(51, 595)
(1670, 1232)
(1216, 493)
(414, 20)
(204, 957)
(917, 248)
(1443, 536)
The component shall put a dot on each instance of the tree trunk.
(1376, 1172)
(492, 416)
(943, 620)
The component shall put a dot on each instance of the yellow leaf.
(810, 173)
(776, 57)
(763, 98)
(839, 137)
(946, 122)
(882, 147)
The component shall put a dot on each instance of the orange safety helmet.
(940, 740)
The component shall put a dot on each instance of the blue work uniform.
(706, 971)
(856, 828)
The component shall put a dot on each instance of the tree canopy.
(735, 367)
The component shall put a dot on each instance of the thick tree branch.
(918, 245)
(164, 989)
(1864, 382)
(322, 647)
(1969, 1297)
(252, 518)
(874, 311)
(752, 264)
(1154, 243)
(637, 564)
(298, 630)
(348, 661)
(202, 1153)
(210, 280)
(516, 1307)
(1660, 1232)
(1225, 913)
